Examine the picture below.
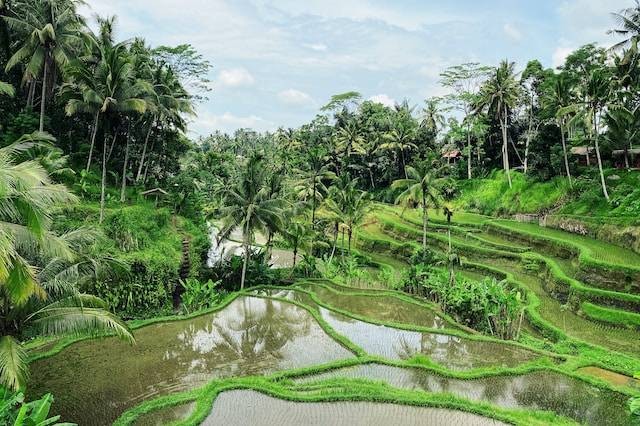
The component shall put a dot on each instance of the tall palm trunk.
(94, 132)
(103, 185)
(404, 166)
(245, 245)
(468, 143)
(425, 219)
(335, 243)
(295, 254)
(564, 152)
(505, 147)
(597, 143)
(123, 187)
(144, 153)
(43, 99)
(350, 235)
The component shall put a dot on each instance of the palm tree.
(421, 187)
(357, 209)
(558, 99)
(168, 101)
(596, 100)
(400, 140)
(500, 94)
(43, 296)
(433, 119)
(298, 234)
(349, 140)
(248, 205)
(629, 21)
(51, 28)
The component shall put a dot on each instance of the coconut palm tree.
(401, 141)
(349, 140)
(629, 26)
(557, 99)
(422, 188)
(597, 93)
(500, 94)
(52, 29)
(247, 204)
(42, 296)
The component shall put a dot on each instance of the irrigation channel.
(361, 353)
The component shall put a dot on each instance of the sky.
(276, 62)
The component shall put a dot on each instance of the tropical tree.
(298, 234)
(500, 94)
(51, 29)
(349, 140)
(421, 188)
(399, 140)
(465, 80)
(629, 26)
(248, 205)
(558, 99)
(597, 94)
(42, 296)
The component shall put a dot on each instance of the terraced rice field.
(322, 352)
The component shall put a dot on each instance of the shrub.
(198, 295)
(14, 410)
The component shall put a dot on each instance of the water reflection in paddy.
(450, 351)
(539, 390)
(379, 307)
(95, 381)
(255, 409)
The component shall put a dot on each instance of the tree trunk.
(350, 235)
(295, 254)
(144, 153)
(469, 153)
(123, 187)
(602, 180)
(94, 132)
(313, 207)
(404, 166)
(43, 99)
(104, 174)
(564, 151)
(32, 94)
(373, 185)
(335, 243)
(425, 218)
(505, 147)
(245, 244)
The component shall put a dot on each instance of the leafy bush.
(15, 411)
(135, 228)
(487, 306)
(229, 271)
(198, 295)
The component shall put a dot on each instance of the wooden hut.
(452, 155)
(626, 158)
(585, 155)
(155, 192)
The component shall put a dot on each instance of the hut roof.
(451, 154)
(620, 152)
(155, 191)
(581, 150)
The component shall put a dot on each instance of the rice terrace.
(319, 213)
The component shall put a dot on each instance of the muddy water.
(95, 381)
(452, 352)
(255, 409)
(612, 377)
(540, 390)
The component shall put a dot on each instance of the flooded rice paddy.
(261, 410)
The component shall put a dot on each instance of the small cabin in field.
(626, 158)
(585, 155)
(452, 155)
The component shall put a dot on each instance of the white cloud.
(228, 122)
(512, 32)
(295, 97)
(318, 47)
(383, 99)
(560, 54)
(235, 77)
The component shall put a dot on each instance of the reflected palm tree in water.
(245, 336)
